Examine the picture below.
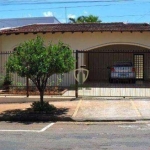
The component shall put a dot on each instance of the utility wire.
(130, 15)
(62, 7)
(52, 7)
(142, 16)
(63, 2)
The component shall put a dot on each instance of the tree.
(85, 19)
(38, 62)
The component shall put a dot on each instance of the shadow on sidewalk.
(28, 116)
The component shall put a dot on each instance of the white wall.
(79, 41)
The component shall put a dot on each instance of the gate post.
(76, 82)
(27, 86)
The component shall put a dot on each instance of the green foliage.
(85, 19)
(7, 80)
(46, 107)
(57, 82)
(38, 62)
(19, 84)
(59, 79)
(33, 59)
(1, 80)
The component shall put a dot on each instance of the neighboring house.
(99, 45)
(16, 22)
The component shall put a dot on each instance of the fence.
(109, 77)
(101, 67)
(57, 84)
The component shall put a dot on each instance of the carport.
(99, 59)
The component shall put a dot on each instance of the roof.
(86, 27)
(16, 22)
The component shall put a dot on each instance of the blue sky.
(107, 10)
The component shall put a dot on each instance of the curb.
(48, 117)
(112, 120)
(7, 100)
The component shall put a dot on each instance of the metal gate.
(135, 80)
(100, 63)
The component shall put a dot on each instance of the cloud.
(71, 16)
(62, 20)
(48, 14)
(85, 12)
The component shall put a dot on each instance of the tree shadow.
(28, 116)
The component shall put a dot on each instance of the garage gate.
(99, 62)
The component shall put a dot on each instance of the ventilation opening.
(139, 66)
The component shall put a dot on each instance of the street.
(75, 136)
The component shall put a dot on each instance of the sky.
(127, 11)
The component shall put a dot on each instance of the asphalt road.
(75, 136)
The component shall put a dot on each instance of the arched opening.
(98, 60)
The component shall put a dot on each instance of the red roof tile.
(88, 27)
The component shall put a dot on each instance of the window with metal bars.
(139, 66)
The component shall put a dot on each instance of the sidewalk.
(16, 108)
(92, 109)
(113, 109)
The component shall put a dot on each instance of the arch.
(14, 47)
(117, 43)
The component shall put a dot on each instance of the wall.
(0, 43)
(82, 41)
(98, 63)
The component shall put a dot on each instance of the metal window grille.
(139, 66)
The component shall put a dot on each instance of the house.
(99, 45)
(16, 22)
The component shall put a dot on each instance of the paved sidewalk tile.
(13, 106)
(100, 109)
(107, 109)
(143, 106)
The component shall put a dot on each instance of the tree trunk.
(41, 96)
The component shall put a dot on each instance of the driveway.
(113, 109)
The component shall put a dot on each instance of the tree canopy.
(38, 62)
(85, 19)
